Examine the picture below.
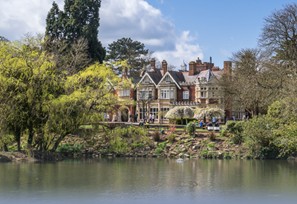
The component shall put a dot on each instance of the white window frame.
(145, 94)
(186, 95)
(124, 92)
(164, 93)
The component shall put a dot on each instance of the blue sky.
(220, 27)
(175, 30)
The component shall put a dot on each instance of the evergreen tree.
(132, 51)
(80, 20)
(3, 39)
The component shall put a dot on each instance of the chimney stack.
(227, 68)
(153, 64)
(191, 68)
(125, 72)
(164, 66)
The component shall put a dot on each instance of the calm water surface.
(149, 181)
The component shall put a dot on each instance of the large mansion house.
(160, 89)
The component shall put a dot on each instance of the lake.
(149, 180)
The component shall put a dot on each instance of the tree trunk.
(30, 136)
(5, 148)
(59, 140)
(17, 136)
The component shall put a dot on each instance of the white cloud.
(185, 50)
(118, 18)
(141, 21)
(136, 19)
(18, 17)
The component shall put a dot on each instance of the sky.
(178, 31)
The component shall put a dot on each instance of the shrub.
(191, 128)
(129, 132)
(237, 139)
(69, 148)
(160, 148)
(171, 137)
(6, 140)
(260, 137)
(212, 136)
(234, 131)
(121, 140)
(119, 145)
(156, 136)
(286, 140)
(234, 126)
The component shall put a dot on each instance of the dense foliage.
(42, 104)
(78, 21)
(134, 52)
(123, 140)
(191, 128)
(268, 136)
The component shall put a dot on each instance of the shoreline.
(206, 145)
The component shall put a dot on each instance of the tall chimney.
(164, 66)
(227, 68)
(125, 72)
(191, 68)
(210, 60)
(153, 64)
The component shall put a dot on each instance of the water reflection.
(149, 180)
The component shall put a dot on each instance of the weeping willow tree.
(180, 113)
(40, 103)
(202, 113)
(87, 96)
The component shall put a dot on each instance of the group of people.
(151, 118)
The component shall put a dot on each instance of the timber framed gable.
(168, 79)
(146, 80)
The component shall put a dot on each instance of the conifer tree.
(79, 20)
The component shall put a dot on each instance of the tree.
(71, 59)
(280, 33)
(180, 113)
(87, 96)
(253, 85)
(40, 102)
(3, 39)
(79, 21)
(201, 113)
(28, 81)
(54, 25)
(132, 51)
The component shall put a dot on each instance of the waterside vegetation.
(52, 86)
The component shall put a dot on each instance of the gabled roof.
(189, 79)
(209, 74)
(177, 77)
(154, 76)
